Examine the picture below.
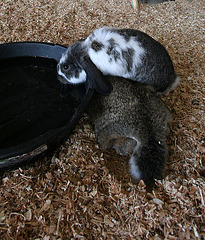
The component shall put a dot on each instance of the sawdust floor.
(82, 192)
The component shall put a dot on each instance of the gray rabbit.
(127, 53)
(134, 121)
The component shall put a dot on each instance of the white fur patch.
(63, 58)
(73, 80)
(175, 84)
(134, 169)
(106, 63)
(80, 79)
(101, 60)
(138, 143)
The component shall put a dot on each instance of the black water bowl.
(37, 112)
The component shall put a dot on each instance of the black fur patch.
(96, 46)
(125, 33)
(112, 43)
(111, 50)
(76, 73)
(128, 56)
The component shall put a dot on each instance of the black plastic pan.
(37, 112)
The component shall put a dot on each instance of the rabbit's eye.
(66, 67)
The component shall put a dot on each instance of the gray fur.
(134, 121)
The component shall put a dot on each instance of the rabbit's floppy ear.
(95, 78)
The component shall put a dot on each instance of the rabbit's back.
(131, 107)
(132, 54)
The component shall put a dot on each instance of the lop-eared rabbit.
(126, 53)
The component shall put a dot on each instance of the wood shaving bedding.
(82, 192)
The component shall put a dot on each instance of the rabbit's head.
(75, 67)
(69, 67)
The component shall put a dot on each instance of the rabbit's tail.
(148, 160)
(174, 84)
